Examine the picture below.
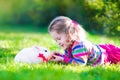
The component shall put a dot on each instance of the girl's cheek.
(67, 40)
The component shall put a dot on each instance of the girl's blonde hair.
(62, 24)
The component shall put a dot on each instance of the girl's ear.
(69, 36)
(71, 31)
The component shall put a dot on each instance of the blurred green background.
(96, 16)
(23, 23)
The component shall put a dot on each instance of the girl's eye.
(58, 39)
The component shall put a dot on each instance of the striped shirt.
(84, 53)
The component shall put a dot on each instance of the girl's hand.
(54, 53)
(56, 58)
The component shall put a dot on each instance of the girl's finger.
(51, 56)
(54, 56)
(53, 60)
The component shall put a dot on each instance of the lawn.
(14, 38)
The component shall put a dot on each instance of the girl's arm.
(79, 55)
(56, 57)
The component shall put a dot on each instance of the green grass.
(14, 38)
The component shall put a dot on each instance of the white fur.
(30, 55)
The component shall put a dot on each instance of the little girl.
(71, 37)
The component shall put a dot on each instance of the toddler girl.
(71, 37)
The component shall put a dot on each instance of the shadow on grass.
(100, 73)
(6, 55)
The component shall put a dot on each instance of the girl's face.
(62, 39)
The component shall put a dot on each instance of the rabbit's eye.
(45, 50)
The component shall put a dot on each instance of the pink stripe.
(66, 60)
(80, 54)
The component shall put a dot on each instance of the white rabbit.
(33, 55)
